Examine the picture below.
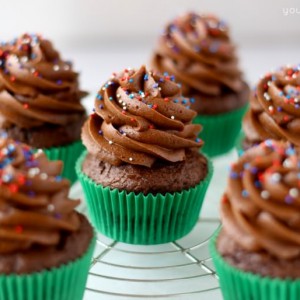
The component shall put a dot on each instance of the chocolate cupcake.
(197, 49)
(274, 109)
(40, 99)
(143, 176)
(257, 251)
(46, 246)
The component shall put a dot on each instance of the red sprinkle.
(13, 188)
(19, 229)
(12, 78)
(25, 105)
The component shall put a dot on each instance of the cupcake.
(274, 109)
(197, 49)
(257, 251)
(143, 176)
(46, 246)
(40, 100)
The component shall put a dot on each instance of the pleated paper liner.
(66, 282)
(68, 154)
(142, 219)
(240, 285)
(220, 131)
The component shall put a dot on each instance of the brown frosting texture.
(34, 206)
(36, 86)
(275, 108)
(198, 51)
(140, 116)
(261, 208)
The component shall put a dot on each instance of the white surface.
(96, 67)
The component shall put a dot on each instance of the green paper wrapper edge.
(240, 285)
(66, 282)
(69, 155)
(220, 131)
(142, 219)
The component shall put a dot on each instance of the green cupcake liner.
(142, 219)
(220, 131)
(66, 282)
(240, 285)
(68, 154)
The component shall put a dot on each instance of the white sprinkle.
(24, 59)
(32, 70)
(265, 194)
(276, 177)
(66, 67)
(296, 100)
(294, 192)
(44, 176)
(287, 163)
(51, 207)
(56, 67)
(130, 159)
(267, 96)
(269, 83)
(110, 142)
(118, 96)
(159, 88)
(172, 117)
(294, 75)
(33, 171)
(124, 107)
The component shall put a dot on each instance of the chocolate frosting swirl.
(34, 206)
(198, 51)
(36, 85)
(275, 108)
(261, 208)
(140, 116)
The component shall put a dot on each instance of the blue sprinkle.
(254, 170)
(33, 56)
(155, 85)
(166, 74)
(58, 178)
(279, 109)
(101, 106)
(99, 97)
(172, 77)
(146, 77)
(131, 96)
(111, 98)
(245, 193)
(130, 80)
(247, 166)
(192, 100)
(100, 132)
(257, 183)
(234, 175)
(59, 82)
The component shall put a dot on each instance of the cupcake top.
(139, 117)
(35, 210)
(37, 87)
(275, 108)
(261, 209)
(197, 49)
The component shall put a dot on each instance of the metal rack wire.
(180, 268)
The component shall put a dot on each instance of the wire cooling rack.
(182, 269)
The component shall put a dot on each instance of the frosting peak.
(34, 206)
(36, 85)
(275, 107)
(261, 208)
(198, 51)
(141, 116)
